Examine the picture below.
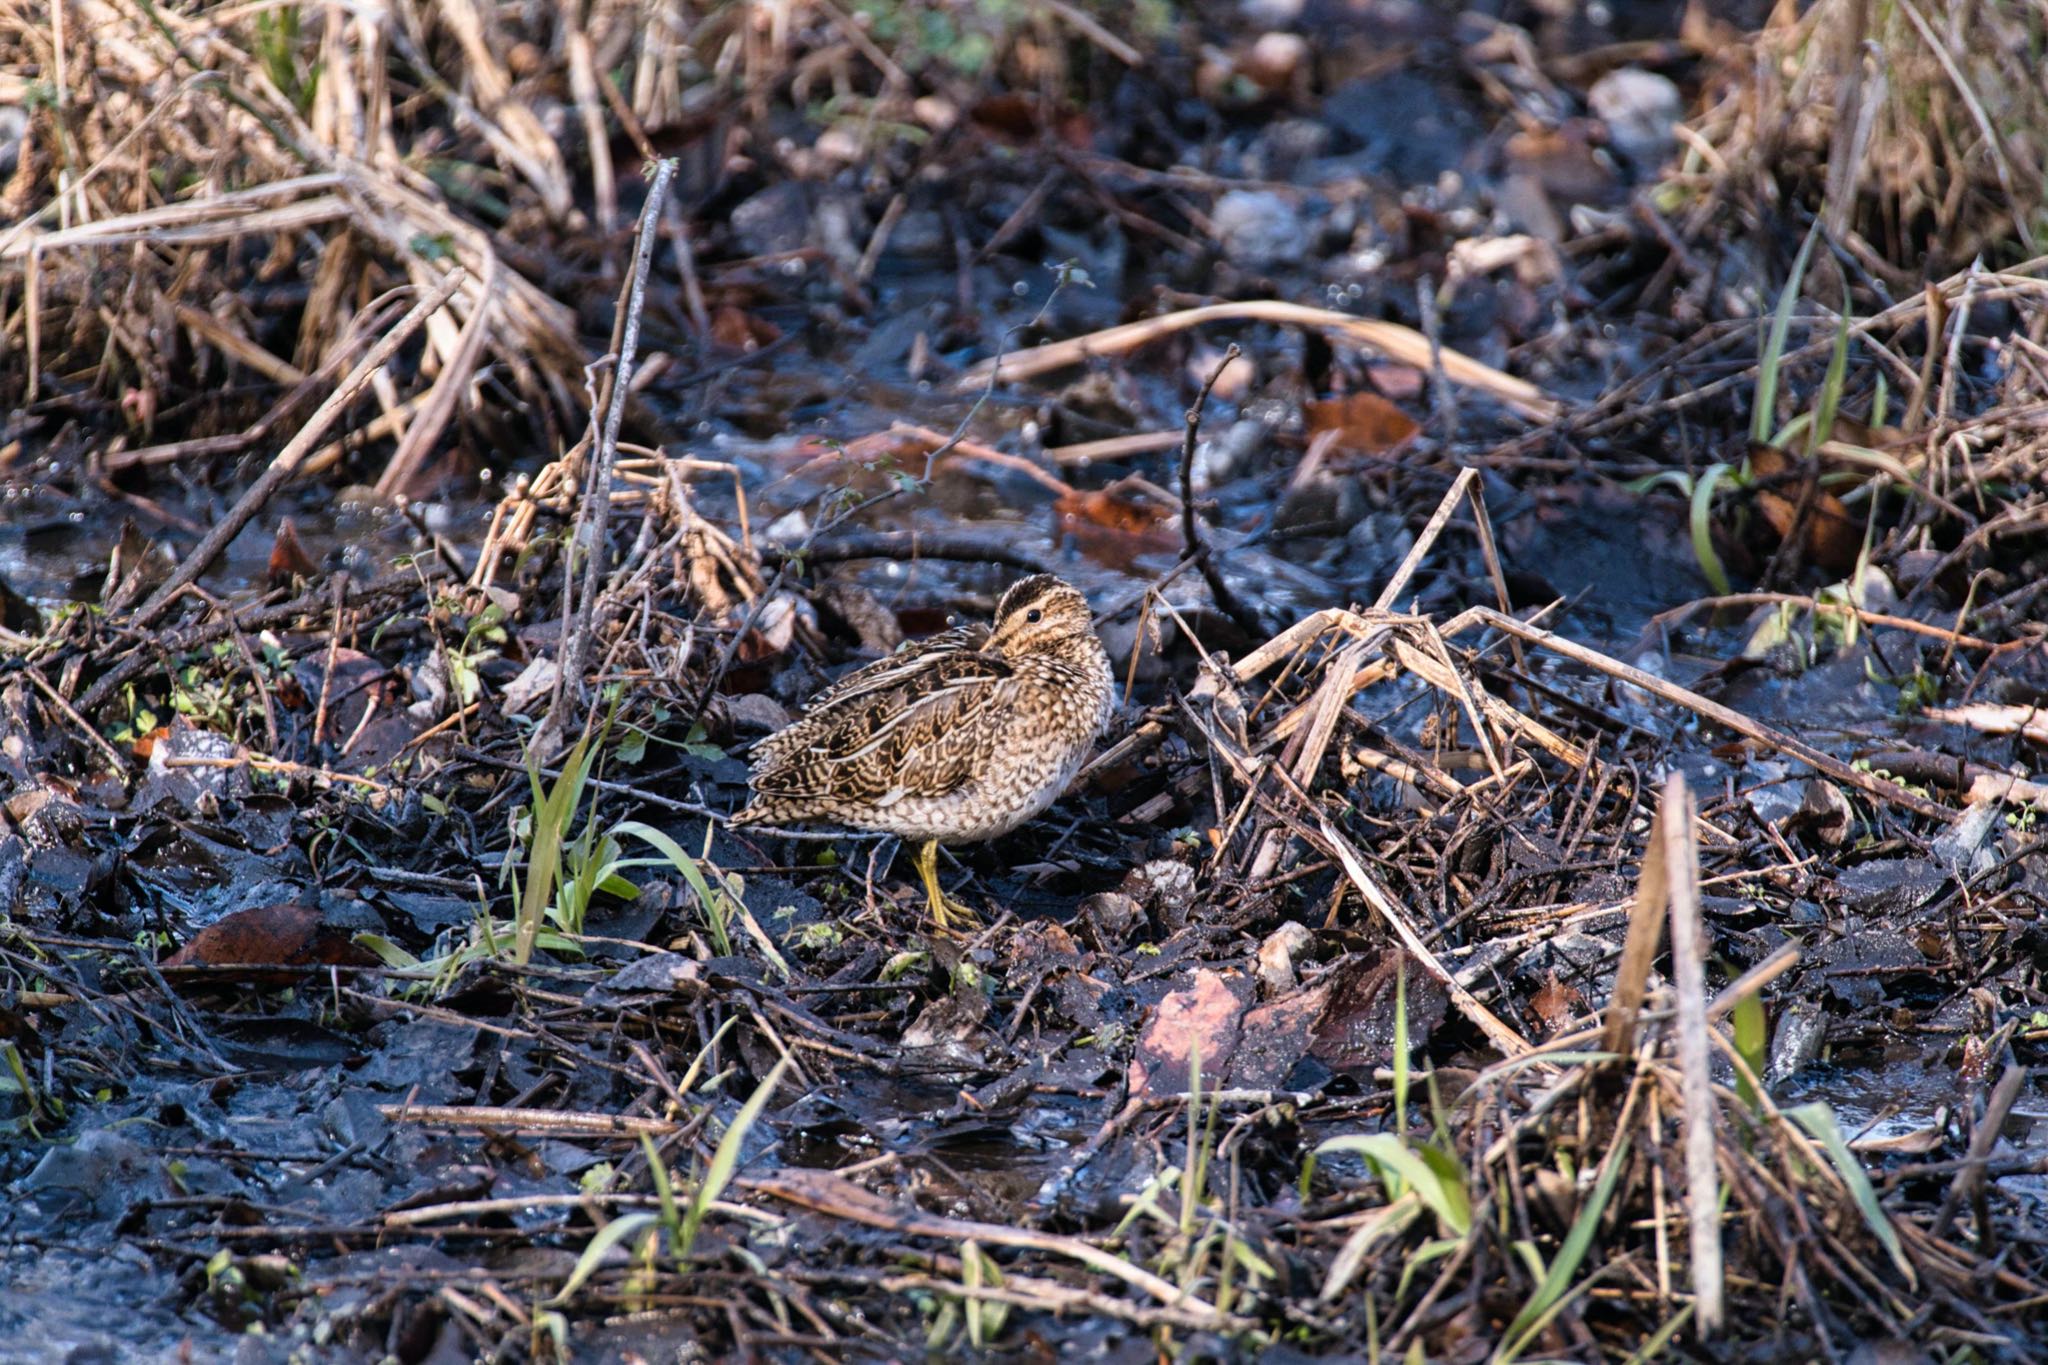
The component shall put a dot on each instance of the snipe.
(952, 740)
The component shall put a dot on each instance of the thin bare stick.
(288, 460)
(1403, 344)
(1868, 783)
(1509, 1042)
(1696, 1087)
(1430, 531)
(1198, 548)
(579, 609)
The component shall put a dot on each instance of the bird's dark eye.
(1034, 615)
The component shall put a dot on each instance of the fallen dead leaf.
(1204, 1018)
(1833, 539)
(738, 330)
(1556, 1004)
(1365, 423)
(271, 936)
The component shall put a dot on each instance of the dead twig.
(1197, 548)
(580, 616)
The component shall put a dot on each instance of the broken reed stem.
(288, 460)
(1638, 950)
(1431, 529)
(1197, 548)
(579, 608)
(1868, 783)
(1696, 1084)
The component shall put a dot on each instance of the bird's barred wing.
(901, 667)
(925, 732)
(898, 673)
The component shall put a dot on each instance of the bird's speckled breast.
(1066, 704)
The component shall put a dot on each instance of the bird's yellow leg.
(940, 903)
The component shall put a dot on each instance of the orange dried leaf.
(738, 330)
(1365, 423)
(1833, 539)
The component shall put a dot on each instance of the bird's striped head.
(1039, 614)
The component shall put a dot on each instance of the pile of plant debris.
(381, 979)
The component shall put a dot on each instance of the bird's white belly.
(981, 810)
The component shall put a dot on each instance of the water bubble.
(1020, 289)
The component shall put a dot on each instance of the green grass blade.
(1401, 1045)
(1819, 1122)
(1752, 1043)
(1653, 1349)
(726, 1159)
(1774, 343)
(715, 915)
(1702, 518)
(551, 815)
(657, 1170)
(1551, 1293)
(608, 1236)
(1443, 1192)
(1831, 387)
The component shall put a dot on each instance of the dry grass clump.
(212, 204)
(1919, 128)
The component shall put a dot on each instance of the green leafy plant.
(719, 895)
(678, 1227)
(1702, 491)
(1555, 1289)
(1200, 1240)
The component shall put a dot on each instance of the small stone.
(1640, 109)
(1277, 954)
(774, 221)
(1275, 61)
(1259, 228)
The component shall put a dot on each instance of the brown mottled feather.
(957, 737)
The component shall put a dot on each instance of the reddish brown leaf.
(1011, 115)
(738, 330)
(1204, 1018)
(271, 936)
(1112, 527)
(1832, 538)
(1556, 1004)
(1365, 423)
(1111, 510)
(288, 558)
(146, 745)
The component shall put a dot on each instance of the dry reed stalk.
(1889, 792)
(287, 462)
(1674, 829)
(1403, 344)
(582, 603)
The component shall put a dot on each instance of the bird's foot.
(951, 918)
